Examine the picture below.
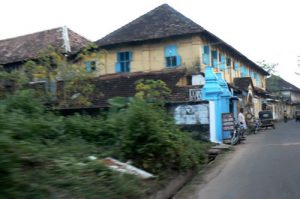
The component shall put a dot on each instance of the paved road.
(267, 166)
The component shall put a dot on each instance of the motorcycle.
(238, 134)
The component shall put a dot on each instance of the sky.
(260, 29)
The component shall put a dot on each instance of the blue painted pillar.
(211, 92)
(224, 100)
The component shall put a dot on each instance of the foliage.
(273, 83)
(151, 139)
(77, 87)
(88, 50)
(153, 91)
(54, 69)
(269, 67)
(11, 81)
(44, 155)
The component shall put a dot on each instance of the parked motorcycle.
(238, 134)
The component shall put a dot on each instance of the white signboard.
(198, 80)
(191, 114)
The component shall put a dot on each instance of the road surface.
(267, 166)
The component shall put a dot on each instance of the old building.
(285, 94)
(164, 39)
(14, 52)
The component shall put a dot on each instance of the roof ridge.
(153, 21)
(29, 34)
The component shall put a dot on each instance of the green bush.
(151, 139)
(44, 155)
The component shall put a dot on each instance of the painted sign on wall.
(227, 122)
(191, 114)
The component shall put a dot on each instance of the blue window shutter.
(118, 63)
(205, 55)
(118, 56)
(130, 56)
(242, 71)
(214, 55)
(118, 67)
(223, 62)
(246, 72)
(178, 61)
(170, 51)
(88, 66)
(236, 66)
(130, 59)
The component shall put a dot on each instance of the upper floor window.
(244, 71)
(222, 60)
(257, 79)
(214, 58)
(90, 66)
(123, 61)
(228, 62)
(171, 56)
(236, 66)
(205, 55)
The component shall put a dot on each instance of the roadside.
(266, 166)
(213, 169)
(206, 174)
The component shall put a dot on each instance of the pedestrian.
(242, 121)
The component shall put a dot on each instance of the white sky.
(260, 29)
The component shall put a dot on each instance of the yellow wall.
(150, 57)
(100, 58)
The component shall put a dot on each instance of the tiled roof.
(243, 83)
(123, 85)
(162, 22)
(32, 45)
(165, 22)
(276, 83)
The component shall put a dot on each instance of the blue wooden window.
(252, 74)
(228, 62)
(90, 66)
(222, 62)
(236, 66)
(171, 56)
(205, 55)
(214, 58)
(257, 78)
(244, 71)
(123, 61)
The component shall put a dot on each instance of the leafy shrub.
(44, 155)
(152, 140)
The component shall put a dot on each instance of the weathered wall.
(149, 56)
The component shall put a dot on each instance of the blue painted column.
(224, 100)
(211, 92)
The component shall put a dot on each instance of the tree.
(73, 81)
(153, 91)
(269, 67)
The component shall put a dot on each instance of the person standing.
(241, 118)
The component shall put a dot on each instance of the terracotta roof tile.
(30, 46)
